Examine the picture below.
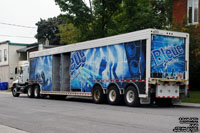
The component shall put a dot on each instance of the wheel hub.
(35, 92)
(96, 95)
(14, 91)
(130, 96)
(112, 95)
(29, 91)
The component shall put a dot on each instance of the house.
(12, 53)
(9, 59)
(33, 47)
(186, 10)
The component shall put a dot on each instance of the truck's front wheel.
(30, 92)
(15, 92)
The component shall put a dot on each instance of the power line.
(22, 26)
(16, 36)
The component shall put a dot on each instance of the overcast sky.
(26, 13)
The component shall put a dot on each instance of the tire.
(164, 102)
(97, 95)
(15, 93)
(30, 92)
(113, 96)
(36, 91)
(131, 97)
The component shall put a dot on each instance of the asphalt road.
(81, 115)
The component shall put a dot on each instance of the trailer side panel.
(41, 71)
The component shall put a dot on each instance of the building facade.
(186, 10)
(9, 59)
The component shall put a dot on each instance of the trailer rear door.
(168, 57)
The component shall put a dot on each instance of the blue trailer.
(138, 67)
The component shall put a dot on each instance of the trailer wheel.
(15, 93)
(131, 97)
(113, 96)
(30, 92)
(97, 95)
(37, 91)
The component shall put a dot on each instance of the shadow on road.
(89, 100)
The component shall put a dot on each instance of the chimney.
(40, 47)
(47, 42)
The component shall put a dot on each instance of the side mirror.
(21, 71)
(15, 70)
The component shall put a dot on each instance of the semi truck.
(141, 67)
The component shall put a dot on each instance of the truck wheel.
(37, 91)
(131, 97)
(30, 92)
(113, 96)
(15, 93)
(97, 95)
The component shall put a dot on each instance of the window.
(193, 11)
(5, 54)
(0, 56)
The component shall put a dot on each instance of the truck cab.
(21, 77)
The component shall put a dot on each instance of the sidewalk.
(6, 129)
(6, 92)
(189, 104)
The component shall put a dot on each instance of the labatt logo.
(78, 59)
(164, 55)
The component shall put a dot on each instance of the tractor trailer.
(140, 67)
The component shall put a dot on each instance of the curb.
(6, 129)
(5, 92)
(189, 104)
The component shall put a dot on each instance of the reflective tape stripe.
(168, 97)
(119, 80)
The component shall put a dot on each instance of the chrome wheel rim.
(96, 95)
(29, 91)
(35, 92)
(14, 91)
(112, 95)
(130, 96)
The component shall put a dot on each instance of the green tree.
(79, 14)
(103, 18)
(68, 34)
(47, 29)
(104, 10)
(92, 21)
(141, 14)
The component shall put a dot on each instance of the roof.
(24, 50)
(11, 43)
(117, 39)
(35, 45)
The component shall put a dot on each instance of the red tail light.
(188, 86)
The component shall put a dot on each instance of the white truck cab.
(21, 75)
(23, 72)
